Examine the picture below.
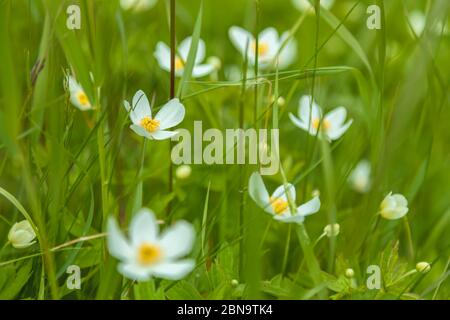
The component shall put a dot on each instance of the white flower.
(423, 267)
(146, 253)
(137, 5)
(332, 230)
(359, 179)
(332, 125)
(304, 5)
(418, 21)
(145, 125)
(21, 235)
(77, 95)
(394, 206)
(277, 204)
(269, 46)
(162, 54)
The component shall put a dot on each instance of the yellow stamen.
(179, 64)
(82, 98)
(263, 48)
(148, 254)
(279, 205)
(325, 125)
(149, 124)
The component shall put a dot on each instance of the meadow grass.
(68, 171)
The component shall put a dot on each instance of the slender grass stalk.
(409, 237)
(172, 89)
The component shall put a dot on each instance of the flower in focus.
(137, 5)
(394, 206)
(359, 179)
(423, 267)
(278, 203)
(271, 47)
(21, 235)
(145, 125)
(332, 230)
(310, 119)
(146, 253)
(162, 54)
(305, 5)
(77, 95)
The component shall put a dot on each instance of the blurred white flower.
(215, 62)
(332, 125)
(137, 5)
(394, 206)
(77, 95)
(359, 178)
(162, 54)
(146, 253)
(183, 172)
(418, 21)
(271, 47)
(304, 5)
(277, 204)
(332, 230)
(423, 267)
(21, 235)
(170, 115)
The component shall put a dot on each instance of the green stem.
(286, 250)
(409, 237)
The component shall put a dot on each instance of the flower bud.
(349, 273)
(183, 172)
(423, 267)
(394, 206)
(234, 283)
(21, 235)
(332, 230)
(215, 62)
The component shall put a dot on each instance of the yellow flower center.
(149, 124)
(263, 48)
(179, 64)
(326, 124)
(279, 205)
(82, 98)
(148, 254)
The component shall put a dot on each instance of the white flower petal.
(306, 105)
(202, 70)
(310, 207)
(290, 218)
(162, 55)
(185, 46)
(143, 227)
(171, 114)
(288, 53)
(241, 38)
(269, 36)
(177, 240)
(134, 271)
(258, 192)
(141, 131)
(117, 244)
(336, 133)
(141, 106)
(163, 135)
(299, 123)
(280, 192)
(336, 117)
(173, 270)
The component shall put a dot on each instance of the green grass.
(67, 171)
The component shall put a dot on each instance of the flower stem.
(286, 250)
(409, 237)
